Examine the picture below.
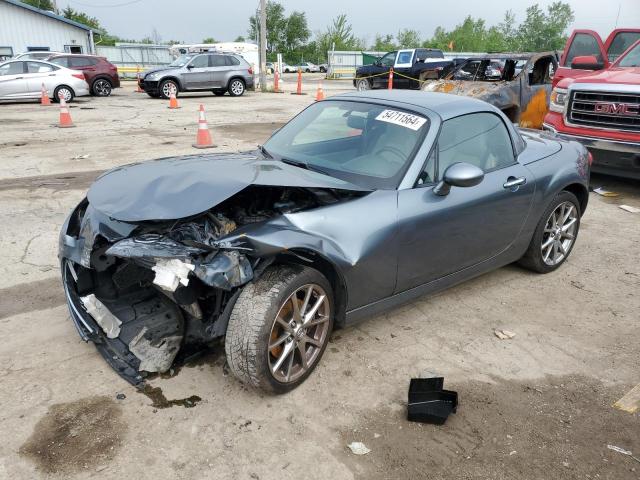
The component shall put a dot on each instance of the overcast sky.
(192, 20)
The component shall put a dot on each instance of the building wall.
(21, 28)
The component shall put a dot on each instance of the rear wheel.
(280, 327)
(236, 87)
(166, 87)
(101, 88)
(555, 235)
(65, 92)
(363, 84)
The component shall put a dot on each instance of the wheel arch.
(62, 85)
(581, 193)
(311, 258)
(101, 77)
(236, 77)
(171, 77)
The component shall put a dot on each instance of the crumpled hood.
(178, 187)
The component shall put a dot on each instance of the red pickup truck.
(596, 99)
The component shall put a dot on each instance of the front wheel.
(280, 327)
(236, 87)
(101, 88)
(555, 235)
(167, 87)
(363, 85)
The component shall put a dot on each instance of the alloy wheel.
(299, 333)
(102, 88)
(559, 233)
(168, 88)
(237, 87)
(65, 93)
(363, 85)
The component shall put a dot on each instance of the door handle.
(513, 182)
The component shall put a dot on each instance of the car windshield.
(631, 59)
(365, 144)
(181, 61)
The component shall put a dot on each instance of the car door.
(220, 70)
(581, 43)
(37, 74)
(381, 68)
(198, 73)
(535, 90)
(12, 81)
(442, 235)
(402, 68)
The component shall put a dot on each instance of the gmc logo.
(618, 108)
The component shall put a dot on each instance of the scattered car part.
(428, 402)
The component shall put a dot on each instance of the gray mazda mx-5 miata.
(359, 203)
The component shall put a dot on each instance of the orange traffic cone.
(390, 84)
(203, 139)
(299, 89)
(320, 92)
(173, 101)
(276, 82)
(44, 97)
(65, 116)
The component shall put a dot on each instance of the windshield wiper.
(305, 165)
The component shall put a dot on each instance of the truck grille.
(619, 111)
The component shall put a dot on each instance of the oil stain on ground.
(160, 401)
(76, 435)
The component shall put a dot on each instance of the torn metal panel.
(159, 190)
(109, 323)
(152, 246)
(226, 270)
(156, 355)
(171, 273)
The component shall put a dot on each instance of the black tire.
(101, 87)
(236, 87)
(63, 88)
(153, 95)
(323, 70)
(165, 88)
(363, 84)
(533, 258)
(307, 71)
(253, 316)
(219, 93)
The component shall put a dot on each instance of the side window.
(232, 61)
(428, 174)
(388, 60)
(621, 42)
(480, 139)
(583, 44)
(79, 62)
(62, 61)
(467, 71)
(13, 68)
(37, 67)
(201, 61)
(218, 61)
(542, 71)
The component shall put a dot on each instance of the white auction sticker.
(414, 122)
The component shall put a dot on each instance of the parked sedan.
(360, 203)
(36, 55)
(101, 75)
(24, 79)
(308, 67)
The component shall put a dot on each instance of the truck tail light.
(78, 75)
(589, 158)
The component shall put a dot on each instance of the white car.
(24, 78)
(308, 67)
(36, 55)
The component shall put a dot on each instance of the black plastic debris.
(121, 396)
(428, 402)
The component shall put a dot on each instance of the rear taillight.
(589, 158)
(78, 75)
(250, 71)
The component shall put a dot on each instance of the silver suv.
(197, 72)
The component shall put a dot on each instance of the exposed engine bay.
(173, 283)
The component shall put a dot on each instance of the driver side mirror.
(586, 62)
(189, 67)
(459, 175)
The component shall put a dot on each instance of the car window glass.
(621, 42)
(428, 174)
(201, 61)
(79, 62)
(404, 57)
(233, 61)
(583, 44)
(467, 71)
(218, 61)
(388, 60)
(37, 67)
(480, 139)
(13, 68)
(62, 61)
(631, 59)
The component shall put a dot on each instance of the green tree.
(544, 31)
(276, 26)
(296, 32)
(508, 30)
(408, 38)
(81, 17)
(41, 4)
(383, 43)
(339, 36)
(240, 38)
(209, 40)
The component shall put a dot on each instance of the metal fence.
(343, 64)
(131, 58)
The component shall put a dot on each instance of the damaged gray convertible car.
(359, 203)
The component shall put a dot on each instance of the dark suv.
(101, 75)
(196, 72)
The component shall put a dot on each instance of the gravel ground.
(537, 406)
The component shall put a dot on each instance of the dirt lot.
(534, 407)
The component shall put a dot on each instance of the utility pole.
(263, 45)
